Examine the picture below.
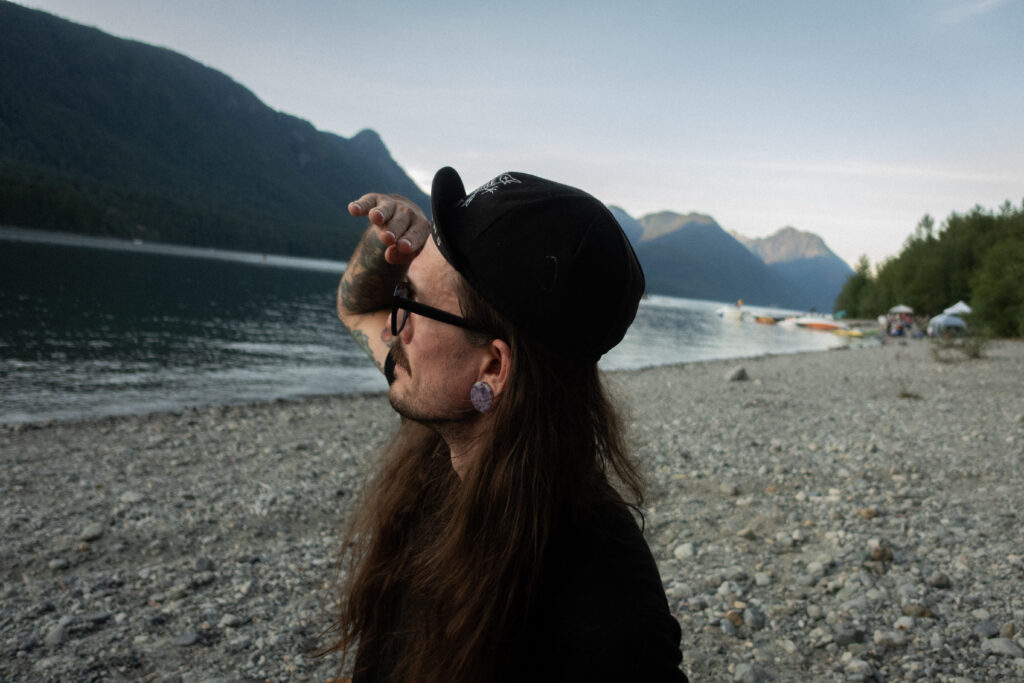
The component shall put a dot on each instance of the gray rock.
(859, 667)
(737, 374)
(186, 639)
(985, 629)
(58, 564)
(131, 497)
(92, 532)
(889, 638)
(57, 635)
(1001, 646)
(230, 620)
(939, 580)
(683, 551)
(848, 636)
(753, 618)
(750, 673)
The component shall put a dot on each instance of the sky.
(847, 119)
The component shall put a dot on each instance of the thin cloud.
(894, 171)
(965, 11)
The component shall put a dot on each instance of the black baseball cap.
(550, 258)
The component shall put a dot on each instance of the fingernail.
(406, 243)
(387, 237)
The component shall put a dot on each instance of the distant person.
(492, 545)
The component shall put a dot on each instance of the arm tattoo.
(369, 281)
(364, 344)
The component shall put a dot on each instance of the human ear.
(497, 366)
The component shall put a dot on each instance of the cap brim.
(446, 192)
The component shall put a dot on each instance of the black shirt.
(601, 615)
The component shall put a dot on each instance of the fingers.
(403, 227)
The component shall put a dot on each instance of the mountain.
(692, 256)
(106, 136)
(804, 259)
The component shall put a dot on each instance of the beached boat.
(731, 313)
(819, 322)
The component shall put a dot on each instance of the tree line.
(976, 257)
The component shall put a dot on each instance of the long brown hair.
(443, 573)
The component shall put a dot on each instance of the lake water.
(92, 327)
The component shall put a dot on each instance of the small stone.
(985, 629)
(131, 497)
(762, 579)
(727, 627)
(747, 534)
(230, 620)
(58, 564)
(204, 564)
(737, 374)
(904, 623)
(683, 551)
(1001, 646)
(750, 673)
(57, 635)
(92, 532)
(1007, 630)
(881, 554)
(734, 617)
(728, 489)
(859, 667)
(913, 610)
(889, 638)
(186, 639)
(939, 580)
(868, 512)
(848, 636)
(754, 618)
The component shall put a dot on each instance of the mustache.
(396, 357)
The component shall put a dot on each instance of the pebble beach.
(850, 515)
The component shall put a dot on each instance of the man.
(492, 545)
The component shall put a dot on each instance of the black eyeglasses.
(403, 305)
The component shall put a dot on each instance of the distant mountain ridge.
(106, 136)
(786, 244)
(692, 256)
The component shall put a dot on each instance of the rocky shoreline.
(844, 515)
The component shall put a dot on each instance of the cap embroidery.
(490, 187)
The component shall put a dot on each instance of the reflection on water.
(93, 330)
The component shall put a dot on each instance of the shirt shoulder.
(604, 608)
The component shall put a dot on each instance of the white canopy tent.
(959, 308)
(941, 324)
(901, 308)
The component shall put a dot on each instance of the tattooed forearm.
(369, 280)
(364, 344)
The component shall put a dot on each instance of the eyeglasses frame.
(400, 302)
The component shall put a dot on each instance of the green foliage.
(999, 287)
(977, 257)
